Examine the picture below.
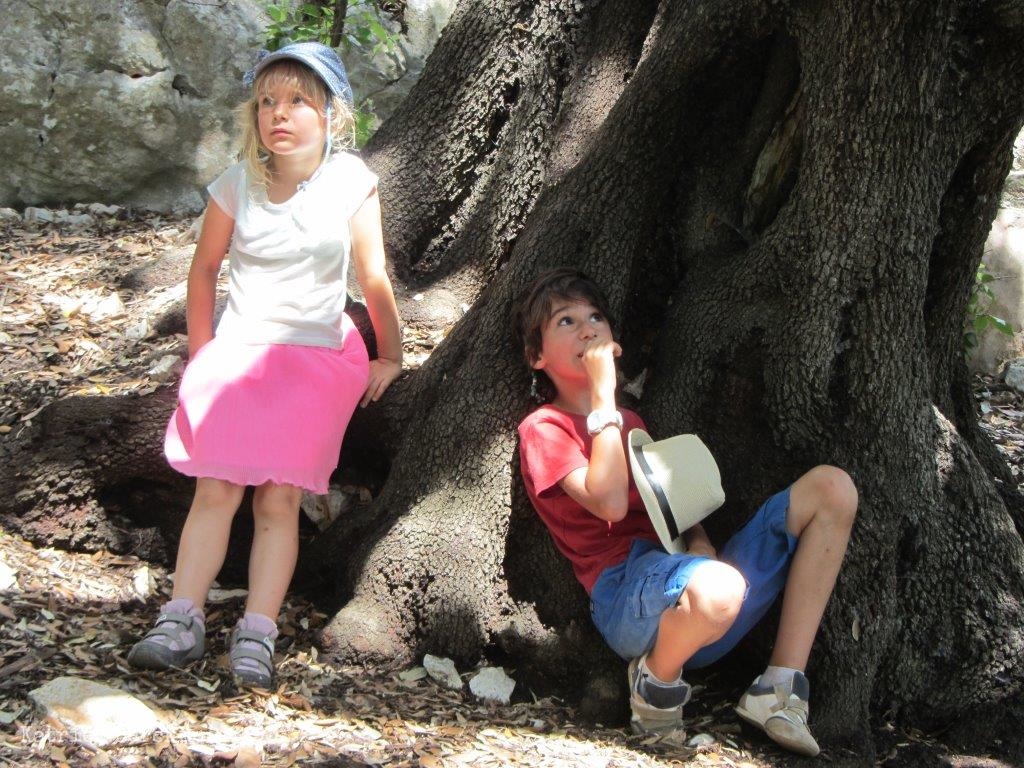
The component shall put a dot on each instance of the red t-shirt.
(552, 443)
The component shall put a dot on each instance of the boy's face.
(573, 325)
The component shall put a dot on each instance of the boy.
(663, 611)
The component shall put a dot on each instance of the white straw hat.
(679, 482)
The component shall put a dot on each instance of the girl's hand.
(383, 371)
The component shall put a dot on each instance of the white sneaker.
(646, 717)
(781, 713)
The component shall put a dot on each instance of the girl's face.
(290, 124)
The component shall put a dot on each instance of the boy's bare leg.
(822, 508)
(204, 539)
(705, 611)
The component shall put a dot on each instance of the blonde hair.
(305, 82)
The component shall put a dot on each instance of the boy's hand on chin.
(599, 361)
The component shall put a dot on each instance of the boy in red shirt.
(660, 610)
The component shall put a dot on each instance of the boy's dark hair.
(534, 307)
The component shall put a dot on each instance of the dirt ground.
(80, 311)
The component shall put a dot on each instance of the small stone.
(1013, 375)
(9, 216)
(8, 577)
(223, 595)
(492, 684)
(143, 583)
(75, 220)
(38, 216)
(443, 670)
(99, 209)
(137, 332)
(164, 368)
(107, 307)
(94, 712)
(325, 509)
(701, 740)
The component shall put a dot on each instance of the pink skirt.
(253, 413)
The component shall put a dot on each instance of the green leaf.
(1001, 325)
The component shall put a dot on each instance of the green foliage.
(359, 31)
(979, 319)
(366, 122)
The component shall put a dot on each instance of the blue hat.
(317, 56)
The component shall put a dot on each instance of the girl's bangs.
(295, 77)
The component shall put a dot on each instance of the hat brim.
(638, 438)
(338, 86)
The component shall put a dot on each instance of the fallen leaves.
(1002, 419)
(77, 615)
(68, 326)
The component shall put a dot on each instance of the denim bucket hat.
(317, 56)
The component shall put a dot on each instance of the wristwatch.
(599, 419)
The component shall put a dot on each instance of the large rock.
(121, 102)
(387, 77)
(133, 102)
(95, 712)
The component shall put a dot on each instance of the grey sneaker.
(252, 658)
(159, 648)
(781, 713)
(657, 707)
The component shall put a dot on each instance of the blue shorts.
(628, 599)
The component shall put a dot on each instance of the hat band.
(659, 494)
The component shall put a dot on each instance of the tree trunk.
(786, 202)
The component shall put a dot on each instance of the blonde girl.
(265, 399)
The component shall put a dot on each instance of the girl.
(265, 401)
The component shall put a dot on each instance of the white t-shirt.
(288, 262)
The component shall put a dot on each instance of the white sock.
(644, 669)
(778, 676)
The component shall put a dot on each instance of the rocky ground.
(85, 308)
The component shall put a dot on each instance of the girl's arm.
(368, 257)
(214, 240)
(602, 487)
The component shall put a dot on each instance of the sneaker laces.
(790, 706)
